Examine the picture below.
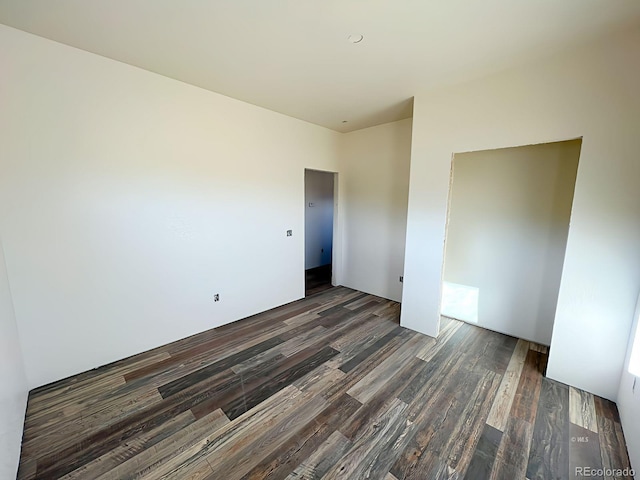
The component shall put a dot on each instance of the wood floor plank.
(536, 347)
(387, 309)
(28, 468)
(217, 367)
(435, 421)
(254, 396)
(325, 457)
(432, 348)
(240, 461)
(98, 443)
(162, 452)
(289, 454)
(622, 446)
(609, 452)
(199, 470)
(452, 443)
(525, 400)
(498, 352)
(39, 406)
(92, 423)
(381, 400)
(459, 451)
(375, 380)
(231, 392)
(89, 378)
(338, 308)
(379, 460)
(360, 460)
(212, 351)
(314, 313)
(370, 350)
(364, 335)
(319, 380)
(584, 452)
(606, 409)
(484, 455)
(512, 456)
(442, 372)
(90, 405)
(612, 454)
(121, 454)
(328, 386)
(435, 468)
(234, 435)
(502, 406)
(362, 301)
(355, 375)
(582, 409)
(360, 338)
(305, 340)
(549, 455)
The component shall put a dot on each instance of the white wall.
(507, 232)
(629, 400)
(374, 186)
(593, 93)
(13, 382)
(318, 218)
(127, 200)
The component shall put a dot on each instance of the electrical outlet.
(216, 297)
(289, 233)
(401, 279)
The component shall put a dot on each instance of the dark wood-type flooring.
(317, 279)
(327, 387)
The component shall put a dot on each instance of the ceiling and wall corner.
(295, 57)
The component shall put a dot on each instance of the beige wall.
(374, 186)
(13, 382)
(507, 232)
(127, 200)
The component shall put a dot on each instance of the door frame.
(336, 247)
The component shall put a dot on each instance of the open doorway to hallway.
(318, 229)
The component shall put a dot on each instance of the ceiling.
(293, 56)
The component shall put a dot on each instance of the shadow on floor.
(317, 279)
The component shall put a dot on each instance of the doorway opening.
(507, 228)
(319, 209)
